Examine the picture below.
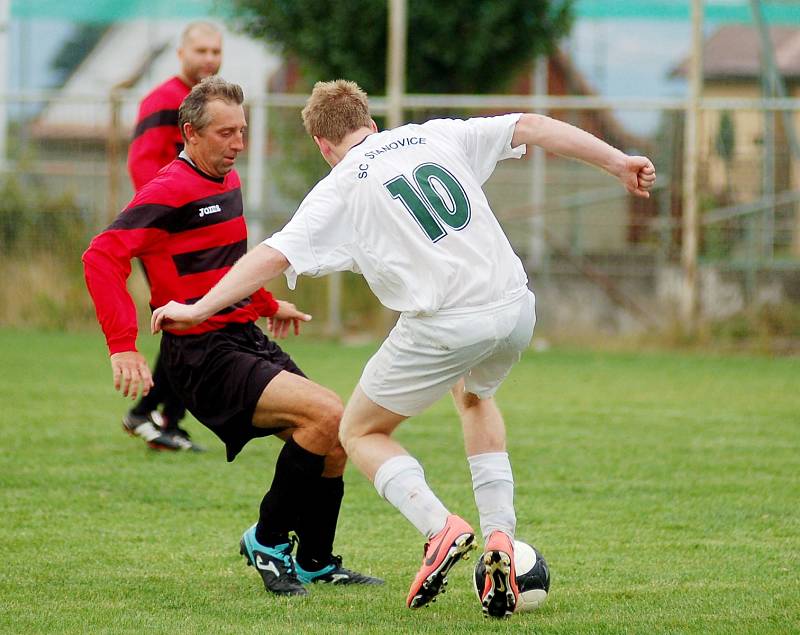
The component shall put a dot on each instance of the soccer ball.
(533, 577)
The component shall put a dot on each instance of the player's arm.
(106, 268)
(636, 173)
(153, 145)
(252, 271)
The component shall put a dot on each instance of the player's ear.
(326, 150)
(373, 126)
(323, 145)
(189, 132)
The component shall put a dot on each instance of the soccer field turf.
(664, 490)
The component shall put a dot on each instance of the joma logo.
(211, 209)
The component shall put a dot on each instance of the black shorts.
(220, 377)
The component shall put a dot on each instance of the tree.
(454, 46)
(726, 137)
(725, 145)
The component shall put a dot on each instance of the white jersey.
(405, 209)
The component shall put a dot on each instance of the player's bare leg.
(366, 436)
(366, 431)
(311, 411)
(481, 421)
(306, 491)
(493, 486)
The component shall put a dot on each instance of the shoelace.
(288, 561)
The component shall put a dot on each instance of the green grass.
(663, 489)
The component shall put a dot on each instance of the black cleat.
(182, 439)
(179, 436)
(274, 564)
(145, 427)
(334, 573)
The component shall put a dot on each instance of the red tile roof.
(734, 52)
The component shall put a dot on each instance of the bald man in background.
(157, 139)
(156, 142)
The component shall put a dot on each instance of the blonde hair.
(335, 109)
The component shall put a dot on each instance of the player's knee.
(331, 415)
(464, 399)
(346, 435)
(327, 417)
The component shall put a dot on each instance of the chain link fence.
(600, 261)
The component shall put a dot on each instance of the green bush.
(772, 328)
(31, 220)
(41, 241)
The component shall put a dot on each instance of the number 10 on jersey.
(437, 200)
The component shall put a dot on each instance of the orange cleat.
(500, 592)
(450, 545)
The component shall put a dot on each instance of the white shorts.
(425, 356)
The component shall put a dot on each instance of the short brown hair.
(336, 109)
(193, 108)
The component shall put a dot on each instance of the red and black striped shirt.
(157, 138)
(188, 230)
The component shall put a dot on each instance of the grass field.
(663, 489)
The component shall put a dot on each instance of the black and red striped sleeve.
(156, 138)
(107, 265)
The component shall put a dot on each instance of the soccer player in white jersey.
(405, 209)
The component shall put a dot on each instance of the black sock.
(296, 472)
(316, 527)
(151, 400)
(173, 410)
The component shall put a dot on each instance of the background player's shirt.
(188, 229)
(405, 208)
(157, 138)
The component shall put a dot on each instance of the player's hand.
(638, 175)
(131, 374)
(286, 317)
(174, 315)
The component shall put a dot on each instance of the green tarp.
(718, 11)
(775, 11)
(115, 10)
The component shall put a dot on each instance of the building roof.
(734, 52)
(136, 56)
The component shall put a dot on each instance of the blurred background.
(709, 90)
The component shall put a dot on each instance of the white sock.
(493, 484)
(401, 481)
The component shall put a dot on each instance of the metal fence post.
(114, 154)
(5, 16)
(396, 62)
(256, 153)
(691, 166)
(536, 244)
